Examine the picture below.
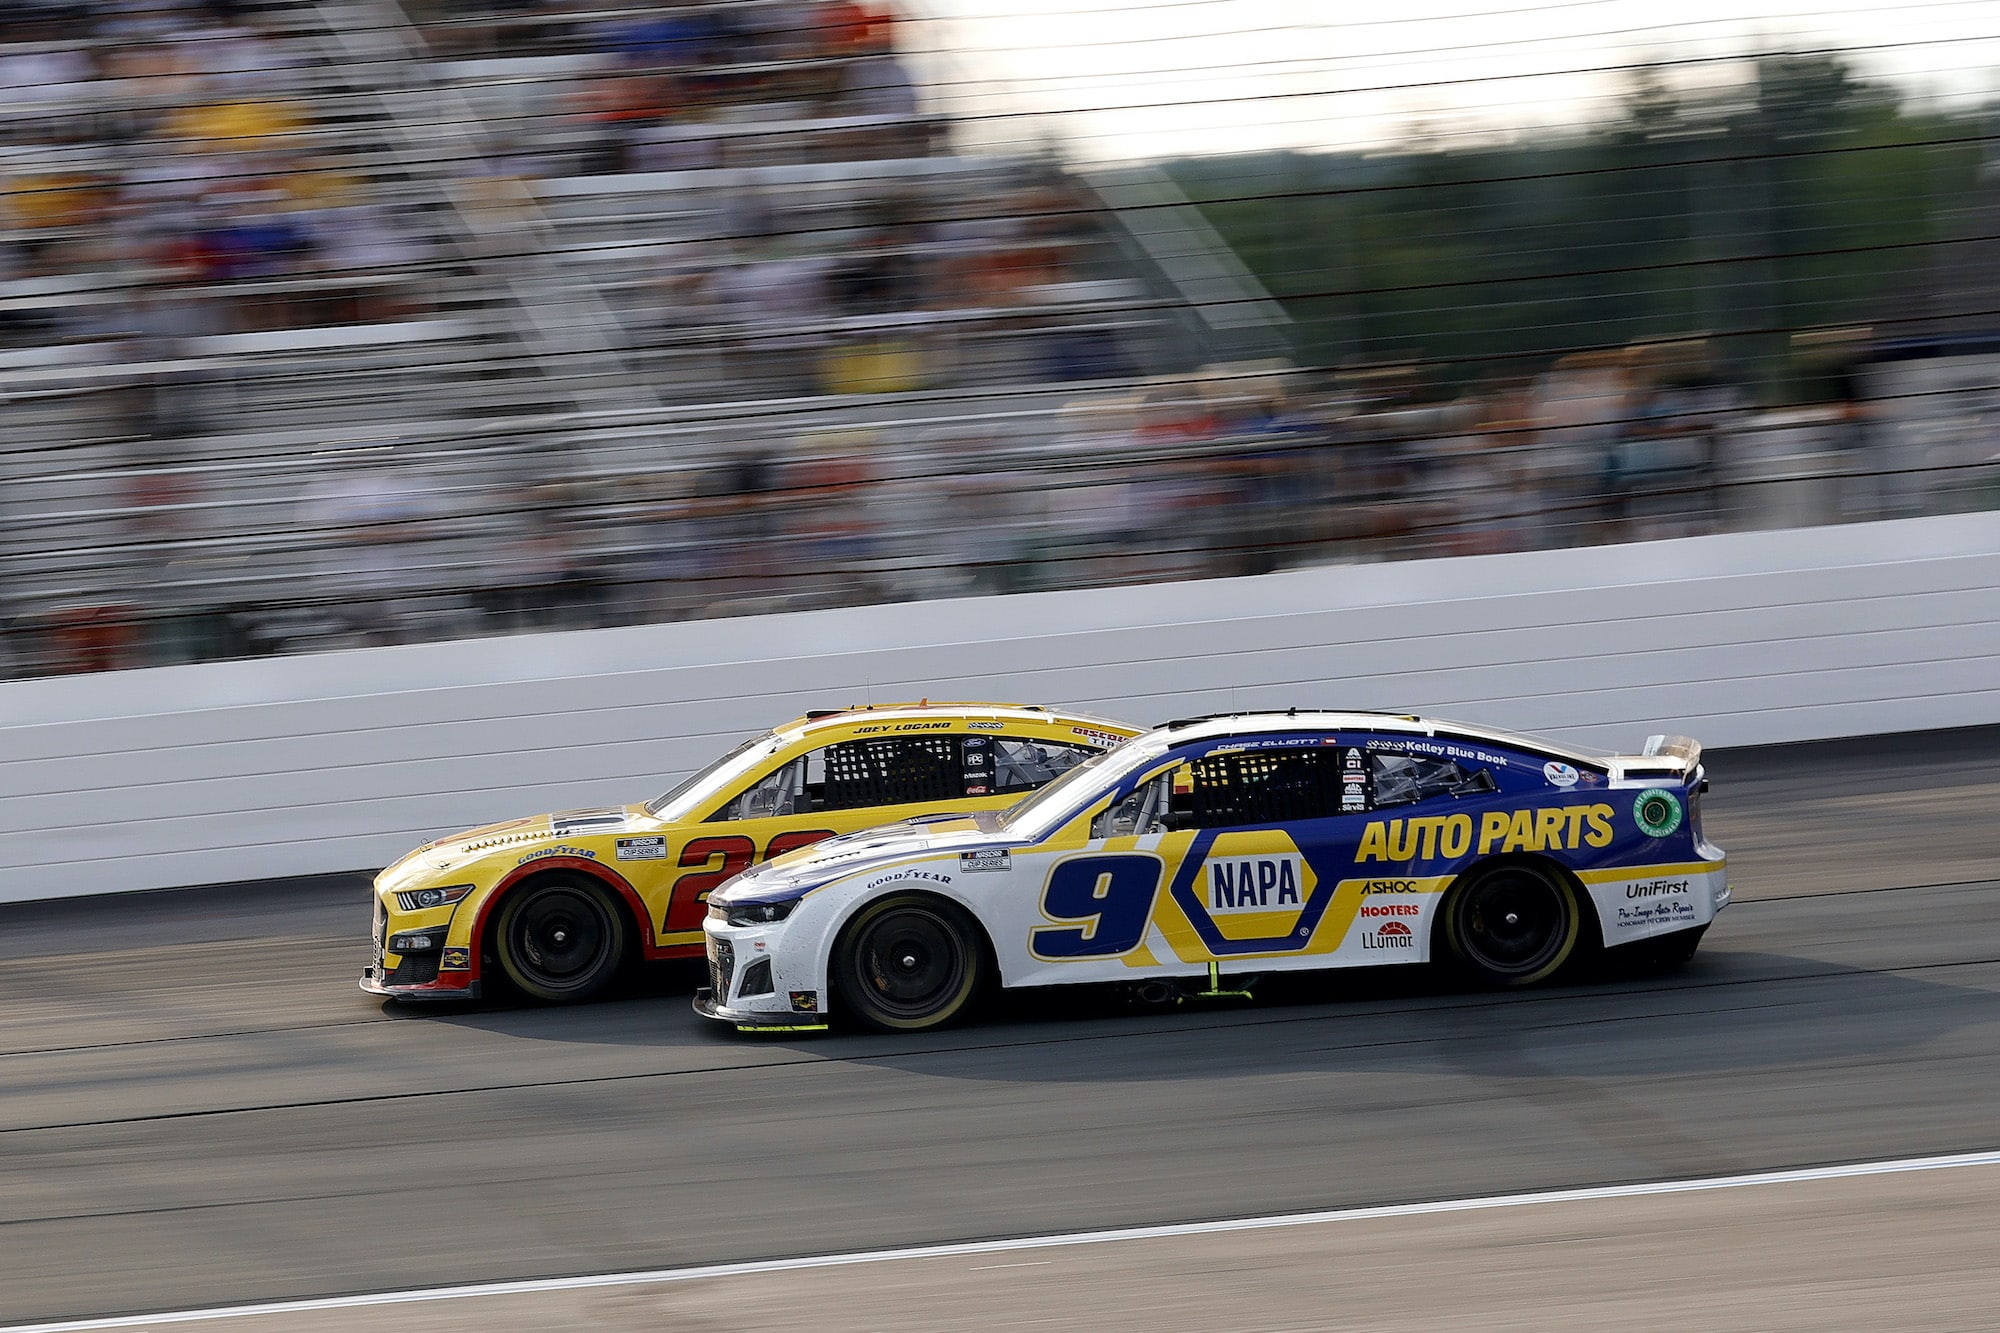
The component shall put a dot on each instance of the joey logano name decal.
(1427, 838)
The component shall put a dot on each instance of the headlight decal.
(757, 914)
(423, 900)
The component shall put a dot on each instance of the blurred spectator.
(828, 490)
(540, 576)
(151, 336)
(854, 28)
(774, 301)
(373, 518)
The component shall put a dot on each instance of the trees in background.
(1799, 196)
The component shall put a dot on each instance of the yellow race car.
(561, 903)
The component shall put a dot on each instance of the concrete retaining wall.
(244, 770)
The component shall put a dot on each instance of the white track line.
(536, 1286)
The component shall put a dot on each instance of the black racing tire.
(1513, 924)
(561, 939)
(908, 962)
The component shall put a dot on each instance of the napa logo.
(1254, 884)
(1245, 893)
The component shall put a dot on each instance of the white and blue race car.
(1230, 845)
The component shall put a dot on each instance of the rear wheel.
(1513, 924)
(561, 940)
(908, 963)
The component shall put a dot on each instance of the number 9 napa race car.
(1248, 843)
(558, 904)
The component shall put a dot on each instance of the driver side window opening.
(887, 770)
(1023, 765)
(1400, 779)
(856, 775)
(1237, 788)
(771, 797)
(905, 770)
(1146, 810)
(1247, 787)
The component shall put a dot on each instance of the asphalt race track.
(198, 1108)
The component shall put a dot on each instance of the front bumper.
(448, 986)
(752, 983)
(751, 1020)
(443, 972)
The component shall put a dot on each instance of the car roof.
(830, 719)
(1297, 719)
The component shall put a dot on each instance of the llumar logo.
(1390, 935)
(1555, 829)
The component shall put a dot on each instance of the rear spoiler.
(1677, 755)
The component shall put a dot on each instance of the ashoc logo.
(1389, 886)
(1390, 935)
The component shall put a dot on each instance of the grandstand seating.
(336, 322)
(271, 239)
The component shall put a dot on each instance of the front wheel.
(1513, 924)
(561, 940)
(908, 963)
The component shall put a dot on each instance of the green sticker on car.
(1657, 812)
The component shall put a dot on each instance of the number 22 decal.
(1109, 897)
(688, 902)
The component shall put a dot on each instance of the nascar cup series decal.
(1656, 812)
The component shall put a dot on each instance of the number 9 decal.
(1111, 897)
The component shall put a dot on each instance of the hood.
(473, 843)
(808, 868)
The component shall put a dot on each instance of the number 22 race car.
(1241, 843)
(558, 904)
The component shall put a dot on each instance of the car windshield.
(1049, 808)
(693, 792)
